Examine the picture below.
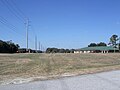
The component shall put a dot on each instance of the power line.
(20, 13)
(1, 35)
(9, 27)
(27, 26)
(27, 34)
(12, 7)
(9, 34)
(12, 10)
(17, 12)
(40, 46)
(5, 22)
(12, 27)
(18, 9)
(32, 28)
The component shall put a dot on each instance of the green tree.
(101, 44)
(113, 40)
(8, 47)
(4, 47)
(61, 50)
(67, 51)
(72, 50)
(52, 50)
(55, 50)
(92, 45)
(48, 50)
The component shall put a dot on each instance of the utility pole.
(27, 27)
(36, 43)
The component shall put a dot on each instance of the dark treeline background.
(8, 47)
(97, 44)
(56, 50)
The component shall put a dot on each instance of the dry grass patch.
(36, 65)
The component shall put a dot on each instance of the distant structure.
(24, 50)
(97, 49)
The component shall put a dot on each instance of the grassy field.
(37, 65)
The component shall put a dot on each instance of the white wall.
(81, 51)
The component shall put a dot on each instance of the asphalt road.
(100, 81)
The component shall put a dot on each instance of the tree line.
(114, 41)
(8, 47)
(57, 50)
(97, 44)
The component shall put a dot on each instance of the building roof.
(101, 48)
